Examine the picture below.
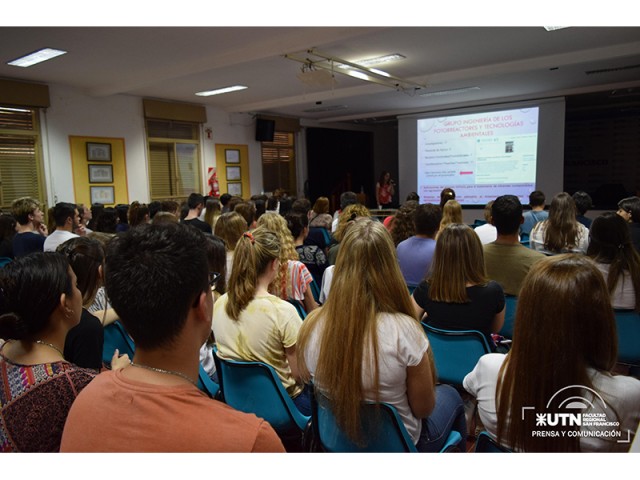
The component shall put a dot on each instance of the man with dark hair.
(158, 282)
(629, 209)
(507, 260)
(195, 202)
(536, 214)
(67, 221)
(583, 204)
(346, 199)
(224, 200)
(30, 227)
(154, 207)
(416, 253)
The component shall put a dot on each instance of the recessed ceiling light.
(36, 57)
(551, 29)
(221, 90)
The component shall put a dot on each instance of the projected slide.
(480, 156)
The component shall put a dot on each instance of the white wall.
(73, 113)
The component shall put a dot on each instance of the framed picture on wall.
(233, 173)
(234, 188)
(232, 156)
(104, 195)
(98, 152)
(100, 174)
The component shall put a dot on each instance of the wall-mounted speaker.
(265, 130)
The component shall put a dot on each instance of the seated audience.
(445, 195)
(195, 203)
(29, 236)
(85, 218)
(248, 212)
(387, 356)
(293, 279)
(565, 335)
(319, 215)
(487, 233)
(346, 199)
(311, 255)
(457, 294)
(583, 204)
(536, 214)
(416, 253)
(66, 217)
(230, 227)
(612, 251)
(154, 207)
(251, 324)
(107, 221)
(138, 214)
(164, 217)
(403, 226)
(561, 232)
(451, 213)
(7, 232)
(84, 342)
(629, 209)
(508, 261)
(40, 304)
(154, 404)
(213, 211)
(123, 217)
(347, 216)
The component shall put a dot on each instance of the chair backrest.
(628, 328)
(486, 444)
(254, 387)
(5, 261)
(509, 316)
(456, 353)
(383, 430)
(299, 308)
(115, 336)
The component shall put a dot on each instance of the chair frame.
(297, 422)
(453, 378)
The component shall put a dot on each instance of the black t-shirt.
(477, 314)
(199, 224)
(314, 259)
(84, 342)
(26, 243)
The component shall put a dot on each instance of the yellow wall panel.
(80, 165)
(232, 166)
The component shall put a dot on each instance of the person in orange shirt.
(160, 286)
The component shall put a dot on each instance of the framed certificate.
(234, 188)
(233, 173)
(104, 195)
(100, 174)
(232, 156)
(98, 152)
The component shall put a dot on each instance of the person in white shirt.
(67, 221)
(564, 348)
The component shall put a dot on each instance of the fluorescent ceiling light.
(379, 72)
(36, 57)
(221, 90)
(360, 75)
(551, 29)
(379, 60)
(449, 92)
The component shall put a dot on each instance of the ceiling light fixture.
(379, 60)
(317, 60)
(449, 92)
(219, 91)
(551, 29)
(41, 55)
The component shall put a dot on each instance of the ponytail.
(252, 255)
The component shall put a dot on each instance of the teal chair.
(383, 430)
(511, 302)
(628, 328)
(5, 261)
(254, 387)
(116, 337)
(299, 308)
(456, 353)
(486, 444)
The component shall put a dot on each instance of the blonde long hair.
(349, 331)
(277, 224)
(350, 213)
(451, 213)
(253, 254)
(458, 259)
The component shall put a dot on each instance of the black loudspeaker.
(265, 130)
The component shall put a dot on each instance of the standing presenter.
(385, 189)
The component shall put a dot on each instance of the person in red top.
(158, 283)
(385, 189)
